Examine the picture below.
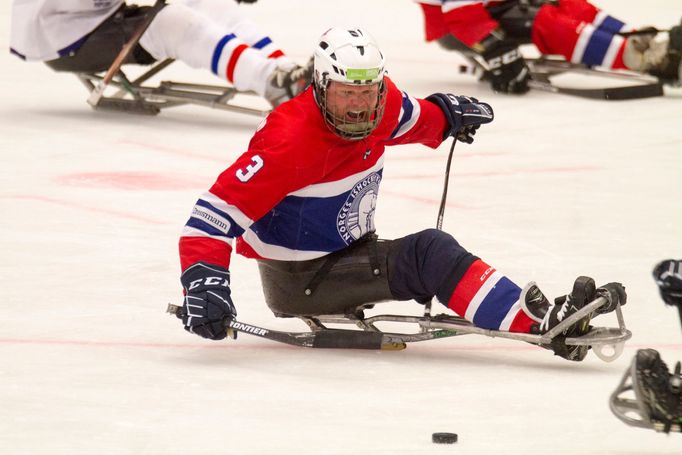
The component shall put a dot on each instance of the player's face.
(352, 103)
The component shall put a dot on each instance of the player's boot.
(535, 305)
(659, 390)
(660, 58)
(533, 302)
(584, 291)
(284, 84)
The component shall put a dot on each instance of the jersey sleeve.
(241, 195)
(419, 121)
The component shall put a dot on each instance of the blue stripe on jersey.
(204, 227)
(14, 51)
(407, 114)
(597, 47)
(235, 230)
(496, 304)
(304, 224)
(262, 43)
(219, 50)
(71, 48)
(611, 24)
(321, 223)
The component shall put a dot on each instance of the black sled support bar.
(328, 338)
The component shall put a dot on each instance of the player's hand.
(464, 115)
(668, 276)
(207, 307)
(507, 68)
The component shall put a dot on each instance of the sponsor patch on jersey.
(211, 218)
(356, 217)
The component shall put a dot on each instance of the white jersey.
(48, 29)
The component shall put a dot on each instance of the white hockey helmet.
(349, 56)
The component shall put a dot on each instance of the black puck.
(444, 438)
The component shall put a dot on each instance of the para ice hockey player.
(86, 36)
(301, 200)
(574, 29)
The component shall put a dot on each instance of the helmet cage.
(351, 130)
(349, 57)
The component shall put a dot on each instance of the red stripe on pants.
(233, 61)
(477, 274)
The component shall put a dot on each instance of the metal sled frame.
(543, 68)
(640, 86)
(601, 339)
(632, 411)
(137, 98)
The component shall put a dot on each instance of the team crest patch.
(356, 217)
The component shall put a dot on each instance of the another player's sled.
(607, 343)
(619, 85)
(629, 85)
(137, 97)
(649, 396)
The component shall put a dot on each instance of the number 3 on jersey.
(244, 175)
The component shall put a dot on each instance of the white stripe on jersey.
(189, 231)
(237, 215)
(416, 111)
(329, 189)
(279, 253)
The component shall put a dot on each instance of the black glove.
(207, 306)
(463, 114)
(668, 276)
(507, 69)
(247, 1)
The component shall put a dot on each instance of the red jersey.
(300, 191)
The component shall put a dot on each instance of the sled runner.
(607, 343)
(138, 97)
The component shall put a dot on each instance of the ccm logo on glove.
(210, 281)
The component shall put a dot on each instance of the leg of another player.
(184, 34)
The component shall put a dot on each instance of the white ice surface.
(92, 203)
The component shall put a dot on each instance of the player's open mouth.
(356, 116)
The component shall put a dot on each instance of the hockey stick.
(441, 210)
(98, 92)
